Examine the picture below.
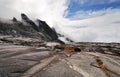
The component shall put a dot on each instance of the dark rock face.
(46, 29)
(18, 30)
(14, 19)
(24, 17)
(104, 48)
(77, 49)
(27, 20)
(66, 38)
(100, 50)
(29, 29)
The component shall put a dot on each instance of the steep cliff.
(28, 28)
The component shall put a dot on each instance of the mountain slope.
(27, 28)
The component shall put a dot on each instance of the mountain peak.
(14, 19)
(28, 28)
(24, 17)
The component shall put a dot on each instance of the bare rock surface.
(19, 61)
(15, 60)
(79, 65)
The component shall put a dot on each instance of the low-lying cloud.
(97, 29)
(85, 26)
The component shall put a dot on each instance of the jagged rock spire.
(24, 17)
(28, 21)
(14, 19)
(44, 26)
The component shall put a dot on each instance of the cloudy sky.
(80, 20)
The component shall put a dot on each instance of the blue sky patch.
(91, 5)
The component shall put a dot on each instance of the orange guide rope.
(100, 63)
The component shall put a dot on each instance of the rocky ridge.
(28, 29)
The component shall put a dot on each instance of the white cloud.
(48, 10)
(102, 26)
(94, 2)
(90, 14)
